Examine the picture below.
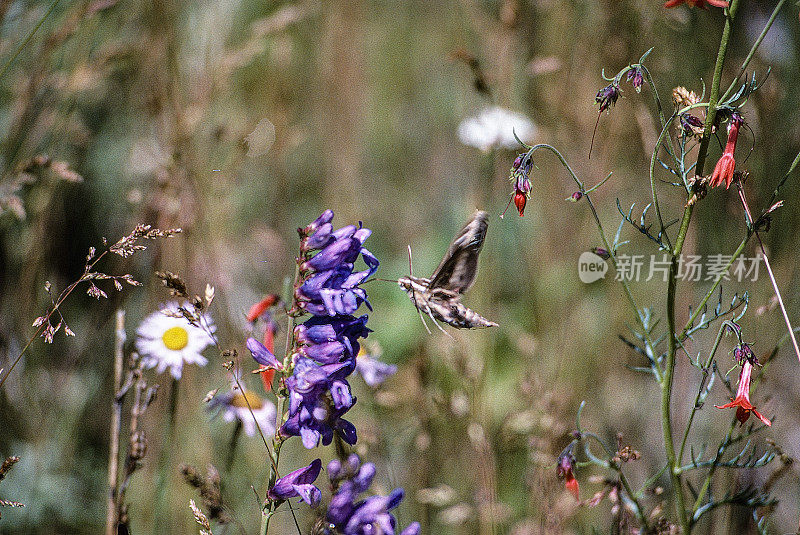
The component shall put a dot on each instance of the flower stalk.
(673, 461)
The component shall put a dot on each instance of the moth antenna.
(410, 265)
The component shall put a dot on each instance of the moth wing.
(458, 268)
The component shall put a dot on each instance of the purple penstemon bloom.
(329, 286)
(331, 339)
(373, 371)
(370, 515)
(298, 483)
(262, 355)
(318, 398)
(334, 291)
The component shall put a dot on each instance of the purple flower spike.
(329, 286)
(262, 355)
(298, 483)
(368, 516)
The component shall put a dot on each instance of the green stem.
(664, 134)
(666, 388)
(160, 524)
(610, 464)
(707, 481)
(669, 368)
(277, 440)
(234, 441)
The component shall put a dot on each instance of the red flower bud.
(520, 199)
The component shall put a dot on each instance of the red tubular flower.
(261, 307)
(723, 171)
(742, 399)
(566, 461)
(697, 3)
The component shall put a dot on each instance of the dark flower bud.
(607, 96)
(636, 78)
(564, 467)
(690, 124)
(575, 197)
(602, 253)
(744, 353)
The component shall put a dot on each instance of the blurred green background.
(151, 103)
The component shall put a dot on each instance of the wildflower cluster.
(685, 136)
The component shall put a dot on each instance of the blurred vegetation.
(151, 103)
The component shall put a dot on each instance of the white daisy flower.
(494, 127)
(234, 407)
(168, 342)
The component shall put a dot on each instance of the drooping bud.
(691, 125)
(636, 78)
(564, 467)
(607, 96)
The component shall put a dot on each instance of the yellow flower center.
(175, 338)
(241, 400)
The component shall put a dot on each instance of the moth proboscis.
(440, 295)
